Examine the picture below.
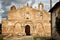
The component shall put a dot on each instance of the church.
(27, 21)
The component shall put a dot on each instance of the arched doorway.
(27, 30)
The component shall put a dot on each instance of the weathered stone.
(19, 18)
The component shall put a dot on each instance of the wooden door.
(27, 30)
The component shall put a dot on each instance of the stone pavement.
(25, 38)
(20, 38)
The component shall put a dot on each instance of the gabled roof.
(57, 5)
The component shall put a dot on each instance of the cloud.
(6, 4)
(0, 5)
(21, 1)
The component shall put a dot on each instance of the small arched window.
(13, 8)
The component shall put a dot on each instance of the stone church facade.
(27, 21)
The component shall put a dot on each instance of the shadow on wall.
(58, 25)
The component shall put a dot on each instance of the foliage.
(1, 38)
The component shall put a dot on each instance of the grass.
(1, 37)
(35, 38)
(42, 38)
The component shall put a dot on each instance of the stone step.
(21, 38)
(24, 38)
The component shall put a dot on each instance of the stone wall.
(39, 22)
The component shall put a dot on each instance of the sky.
(6, 4)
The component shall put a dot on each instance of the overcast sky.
(6, 4)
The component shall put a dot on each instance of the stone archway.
(31, 27)
(27, 30)
(17, 30)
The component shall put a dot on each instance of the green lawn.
(1, 37)
(42, 38)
